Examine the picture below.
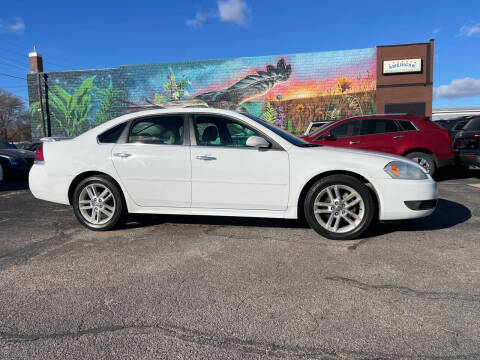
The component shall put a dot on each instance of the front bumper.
(394, 193)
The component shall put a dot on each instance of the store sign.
(402, 66)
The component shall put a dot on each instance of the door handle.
(122, 154)
(398, 137)
(354, 142)
(206, 157)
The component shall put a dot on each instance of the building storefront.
(288, 90)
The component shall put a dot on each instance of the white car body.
(175, 179)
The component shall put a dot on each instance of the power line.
(9, 63)
(24, 55)
(12, 76)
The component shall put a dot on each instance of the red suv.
(412, 136)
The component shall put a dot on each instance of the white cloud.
(197, 21)
(436, 31)
(469, 30)
(17, 27)
(459, 88)
(233, 11)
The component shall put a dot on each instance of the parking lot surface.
(189, 287)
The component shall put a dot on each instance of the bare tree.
(14, 118)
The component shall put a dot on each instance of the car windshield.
(6, 145)
(295, 140)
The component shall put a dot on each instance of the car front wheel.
(98, 203)
(339, 207)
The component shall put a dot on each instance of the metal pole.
(40, 100)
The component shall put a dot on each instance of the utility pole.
(42, 117)
(36, 66)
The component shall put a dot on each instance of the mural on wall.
(286, 90)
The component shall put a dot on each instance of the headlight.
(404, 170)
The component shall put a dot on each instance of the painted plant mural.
(287, 90)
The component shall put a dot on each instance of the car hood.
(357, 153)
(17, 153)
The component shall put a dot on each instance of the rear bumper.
(394, 195)
(48, 187)
(469, 158)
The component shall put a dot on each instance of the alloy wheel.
(339, 208)
(422, 162)
(96, 203)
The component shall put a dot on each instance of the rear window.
(6, 145)
(111, 135)
(459, 125)
(473, 125)
(407, 125)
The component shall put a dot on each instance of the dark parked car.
(415, 137)
(14, 162)
(454, 125)
(467, 144)
(30, 146)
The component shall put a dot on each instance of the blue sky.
(99, 34)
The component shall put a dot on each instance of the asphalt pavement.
(185, 287)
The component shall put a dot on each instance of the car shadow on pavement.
(455, 173)
(14, 185)
(140, 220)
(446, 215)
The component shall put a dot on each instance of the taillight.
(39, 155)
(475, 139)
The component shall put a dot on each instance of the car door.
(380, 135)
(228, 174)
(345, 134)
(154, 162)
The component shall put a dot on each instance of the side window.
(162, 130)
(207, 132)
(111, 135)
(219, 131)
(347, 129)
(407, 125)
(378, 126)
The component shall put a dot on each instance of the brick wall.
(287, 90)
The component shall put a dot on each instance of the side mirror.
(257, 142)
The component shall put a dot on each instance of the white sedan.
(200, 161)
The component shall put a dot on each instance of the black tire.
(2, 173)
(119, 209)
(418, 156)
(369, 208)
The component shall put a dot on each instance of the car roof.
(145, 113)
(389, 116)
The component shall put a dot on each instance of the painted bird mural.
(249, 87)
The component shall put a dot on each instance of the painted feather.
(248, 87)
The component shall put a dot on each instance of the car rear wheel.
(425, 160)
(339, 207)
(98, 203)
